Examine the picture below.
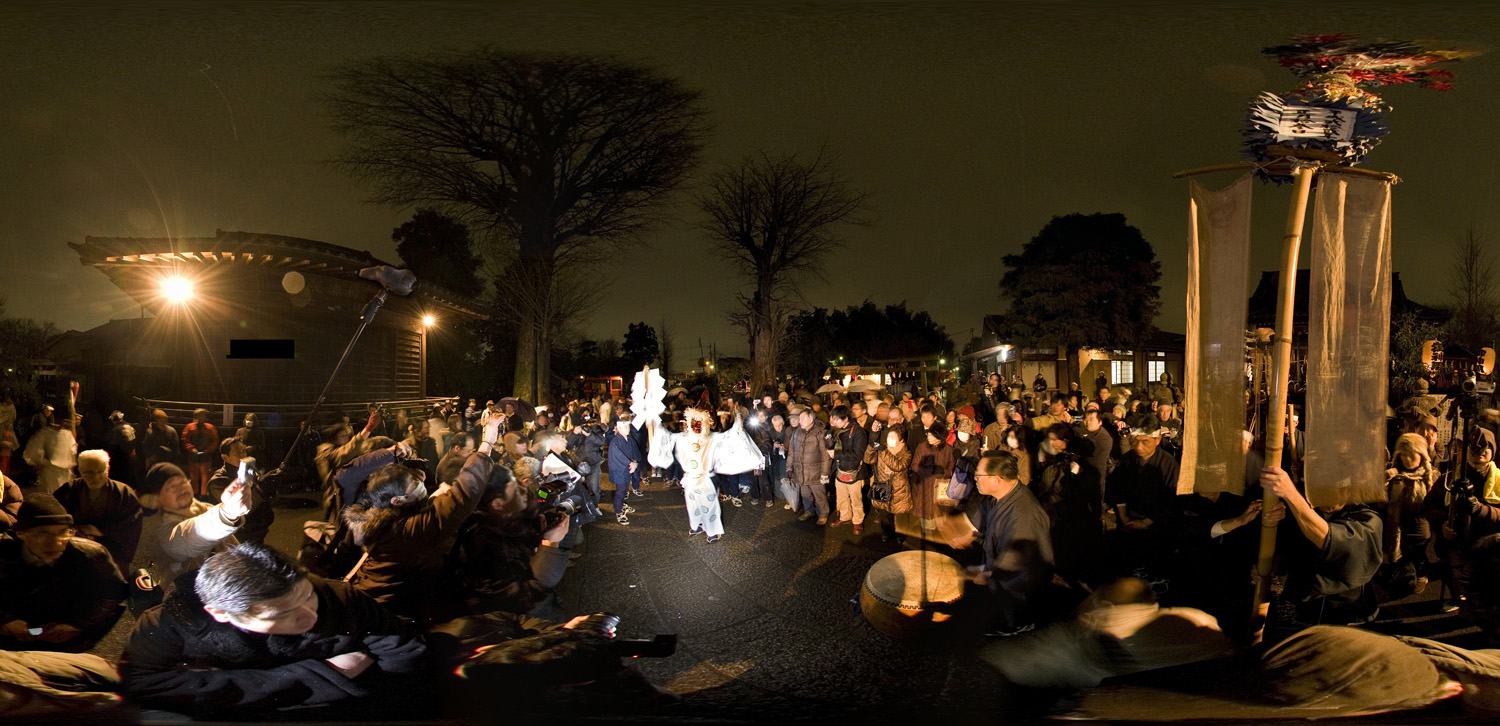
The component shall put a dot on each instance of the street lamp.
(428, 320)
(177, 289)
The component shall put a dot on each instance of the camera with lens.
(553, 486)
(1470, 385)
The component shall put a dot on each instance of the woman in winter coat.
(892, 467)
(1015, 440)
(931, 462)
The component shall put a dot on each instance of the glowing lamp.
(428, 321)
(177, 289)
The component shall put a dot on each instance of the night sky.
(969, 125)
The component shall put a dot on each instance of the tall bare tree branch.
(560, 160)
(775, 219)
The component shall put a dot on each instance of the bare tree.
(667, 347)
(775, 220)
(1476, 297)
(562, 159)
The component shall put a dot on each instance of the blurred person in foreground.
(251, 634)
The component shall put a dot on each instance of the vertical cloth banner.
(1348, 341)
(1213, 459)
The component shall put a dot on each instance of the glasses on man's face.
(53, 535)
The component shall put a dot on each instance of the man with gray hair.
(103, 510)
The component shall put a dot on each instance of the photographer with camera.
(1472, 500)
(406, 533)
(506, 557)
(587, 441)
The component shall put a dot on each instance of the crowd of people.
(432, 577)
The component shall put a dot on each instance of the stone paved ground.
(768, 632)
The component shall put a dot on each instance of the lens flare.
(177, 289)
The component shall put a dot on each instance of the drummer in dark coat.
(1014, 532)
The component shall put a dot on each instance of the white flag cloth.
(735, 453)
(646, 394)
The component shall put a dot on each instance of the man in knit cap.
(60, 593)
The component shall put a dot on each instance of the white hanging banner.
(1348, 341)
(1213, 459)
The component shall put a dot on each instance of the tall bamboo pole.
(1276, 419)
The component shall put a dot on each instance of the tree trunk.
(1072, 372)
(526, 350)
(765, 343)
(544, 364)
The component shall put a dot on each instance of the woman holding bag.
(890, 487)
(931, 467)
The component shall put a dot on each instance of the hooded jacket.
(407, 547)
(180, 659)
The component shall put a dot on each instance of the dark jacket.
(160, 444)
(624, 450)
(500, 565)
(83, 589)
(929, 465)
(589, 446)
(407, 548)
(577, 496)
(849, 447)
(181, 659)
(1148, 488)
(1017, 543)
(807, 459)
(1342, 567)
(113, 509)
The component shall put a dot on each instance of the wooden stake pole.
(1276, 421)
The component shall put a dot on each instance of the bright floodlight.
(428, 321)
(177, 289)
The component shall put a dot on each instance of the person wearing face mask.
(850, 472)
(60, 592)
(932, 462)
(252, 633)
(253, 436)
(890, 487)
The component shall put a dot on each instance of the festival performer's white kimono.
(701, 454)
(696, 455)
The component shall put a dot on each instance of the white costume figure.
(701, 453)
